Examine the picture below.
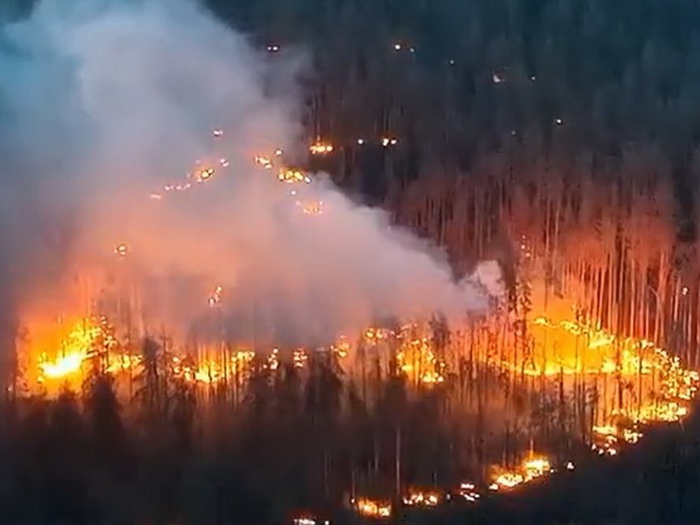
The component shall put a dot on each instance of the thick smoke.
(102, 102)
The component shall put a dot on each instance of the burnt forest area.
(560, 138)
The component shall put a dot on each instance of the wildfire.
(421, 498)
(118, 363)
(205, 174)
(273, 362)
(206, 171)
(211, 371)
(263, 161)
(309, 520)
(341, 348)
(369, 508)
(215, 297)
(529, 470)
(293, 176)
(92, 340)
(86, 339)
(300, 358)
(417, 358)
(377, 334)
(321, 148)
(415, 355)
(311, 208)
(63, 366)
(122, 250)
(304, 521)
(582, 349)
(609, 438)
(467, 490)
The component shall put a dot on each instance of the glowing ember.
(273, 361)
(468, 492)
(417, 359)
(321, 148)
(507, 480)
(304, 521)
(311, 208)
(215, 297)
(204, 174)
(341, 348)
(609, 438)
(308, 520)
(122, 250)
(293, 176)
(373, 508)
(530, 470)
(265, 162)
(420, 498)
(300, 358)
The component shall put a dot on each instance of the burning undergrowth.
(245, 274)
(107, 102)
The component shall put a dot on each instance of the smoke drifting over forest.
(103, 102)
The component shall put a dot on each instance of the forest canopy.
(558, 137)
(566, 79)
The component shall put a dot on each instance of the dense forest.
(571, 124)
(569, 83)
(557, 136)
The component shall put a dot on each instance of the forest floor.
(656, 481)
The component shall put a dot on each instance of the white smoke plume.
(104, 101)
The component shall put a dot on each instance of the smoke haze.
(103, 102)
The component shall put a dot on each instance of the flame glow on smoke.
(236, 247)
(152, 89)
